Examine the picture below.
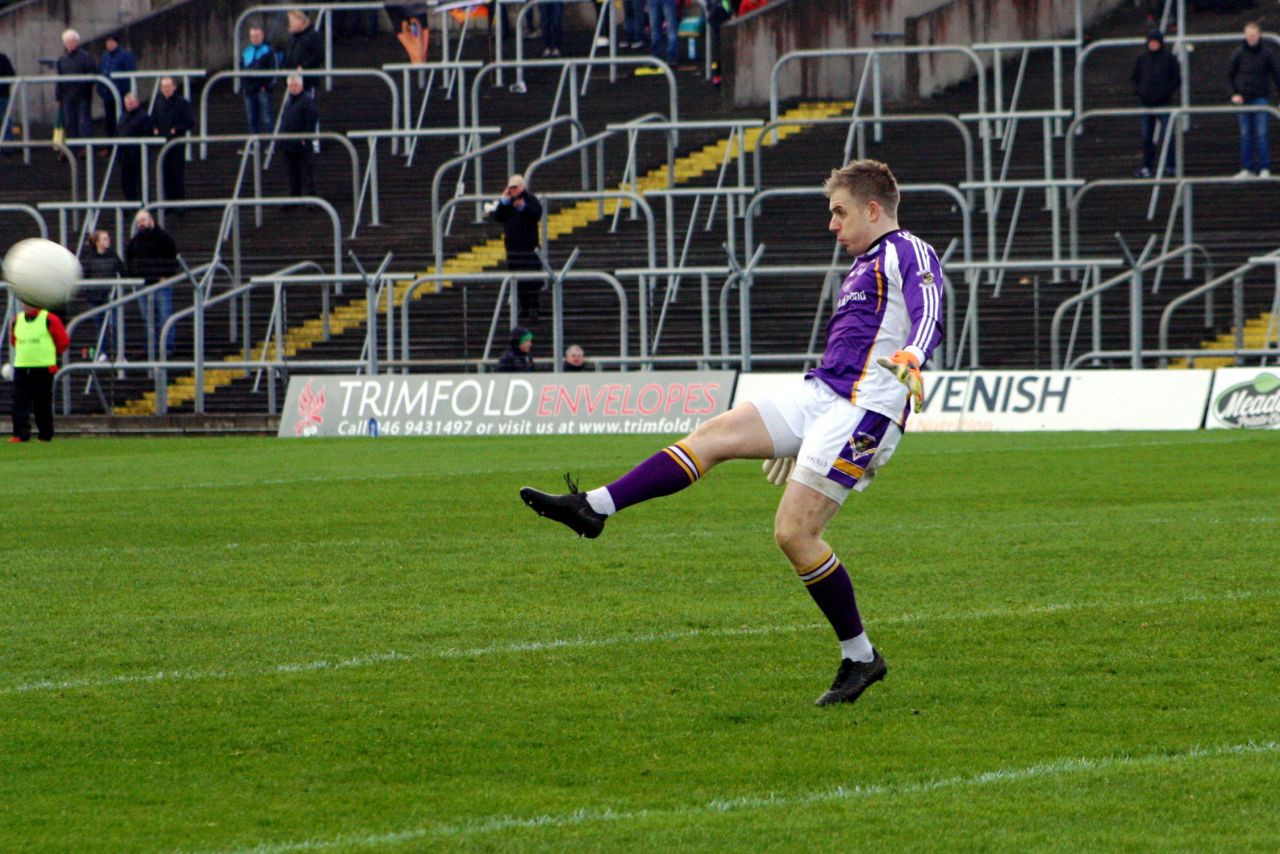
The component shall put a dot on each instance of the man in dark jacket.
(76, 98)
(299, 116)
(519, 212)
(115, 59)
(134, 123)
(1253, 67)
(305, 48)
(152, 255)
(173, 118)
(1156, 78)
(517, 359)
(258, 56)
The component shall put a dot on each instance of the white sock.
(602, 502)
(858, 649)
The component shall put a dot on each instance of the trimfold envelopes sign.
(504, 404)
(1245, 397)
(1045, 400)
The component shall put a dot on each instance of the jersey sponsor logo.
(854, 296)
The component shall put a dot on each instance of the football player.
(841, 422)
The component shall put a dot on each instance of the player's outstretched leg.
(737, 433)
(802, 517)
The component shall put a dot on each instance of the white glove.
(6, 372)
(778, 472)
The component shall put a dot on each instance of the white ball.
(42, 273)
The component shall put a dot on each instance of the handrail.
(219, 203)
(1188, 353)
(946, 118)
(320, 12)
(580, 145)
(508, 142)
(1136, 42)
(571, 65)
(573, 275)
(21, 80)
(406, 69)
(18, 207)
(256, 139)
(185, 73)
(1098, 288)
(1172, 112)
(1166, 316)
(869, 52)
(65, 155)
(376, 73)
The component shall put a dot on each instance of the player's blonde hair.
(866, 181)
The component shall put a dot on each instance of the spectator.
(305, 49)
(173, 118)
(519, 212)
(552, 27)
(518, 359)
(633, 23)
(75, 98)
(299, 116)
(6, 70)
(115, 60)
(1253, 67)
(152, 255)
(1156, 77)
(574, 359)
(100, 261)
(662, 13)
(38, 338)
(135, 122)
(258, 56)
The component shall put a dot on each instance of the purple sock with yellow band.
(829, 585)
(670, 470)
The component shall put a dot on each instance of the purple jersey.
(891, 300)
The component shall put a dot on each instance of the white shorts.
(838, 446)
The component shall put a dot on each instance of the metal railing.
(455, 75)
(28, 210)
(1236, 279)
(1093, 294)
(375, 73)
(18, 96)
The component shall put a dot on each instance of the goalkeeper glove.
(778, 471)
(906, 368)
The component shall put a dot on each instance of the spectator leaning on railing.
(152, 255)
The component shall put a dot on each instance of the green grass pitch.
(252, 644)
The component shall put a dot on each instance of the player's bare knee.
(795, 536)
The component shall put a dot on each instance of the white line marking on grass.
(749, 803)
(374, 659)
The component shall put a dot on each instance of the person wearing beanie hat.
(518, 359)
(1156, 78)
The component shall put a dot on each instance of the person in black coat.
(1156, 78)
(305, 48)
(100, 261)
(519, 212)
(299, 116)
(1253, 68)
(151, 254)
(76, 98)
(134, 122)
(173, 118)
(518, 359)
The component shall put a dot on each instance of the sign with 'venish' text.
(503, 404)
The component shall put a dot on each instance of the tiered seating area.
(449, 329)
